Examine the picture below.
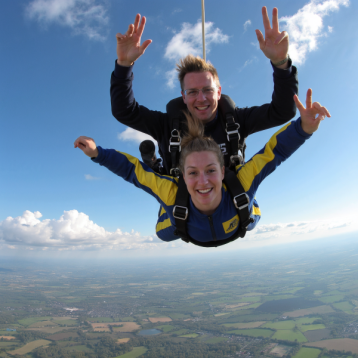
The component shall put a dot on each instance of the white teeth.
(204, 191)
(202, 108)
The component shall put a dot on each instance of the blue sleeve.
(163, 188)
(280, 147)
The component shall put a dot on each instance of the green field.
(191, 335)
(280, 325)
(289, 335)
(180, 332)
(27, 348)
(100, 320)
(165, 328)
(29, 321)
(331, 299)
(215, 340)
(252, 332)
(344, 306)
(307, 353)
(311, 327)
(136, 352)
(305, 320)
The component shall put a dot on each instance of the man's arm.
(124, 107)
(282, 108)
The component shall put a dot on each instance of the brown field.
(159, 319)
(346, 344)
(122, 340)
(280, 351)
(100, 327)
(27, 348)
(245, 325)
(125, 326)
(307, 311)
(49, 330)
(60, 336)
(238, 305)
(317, 334)
(7, 337)
(43, 324)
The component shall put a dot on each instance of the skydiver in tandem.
(213, 216)
(201, 95)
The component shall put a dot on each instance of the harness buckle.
(175, 140)
(241, 201)
(175, 172)
(230, 131)
(180, 212)
(236, 158)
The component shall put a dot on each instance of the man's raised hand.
(87, 145)
(312, 115)
(275, 43)
(129, 48)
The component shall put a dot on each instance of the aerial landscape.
(296, 301)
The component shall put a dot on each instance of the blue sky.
(56, 59)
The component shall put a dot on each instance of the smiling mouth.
(202, 108)
(204, 191)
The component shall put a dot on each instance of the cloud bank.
(75, 232)
(306, 27)
(189, 41)
(83, 17)
(132, 135)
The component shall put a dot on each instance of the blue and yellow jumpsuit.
(223, 223)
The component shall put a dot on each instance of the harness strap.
(181, 210)
(175, 147)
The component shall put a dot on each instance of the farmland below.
(260, 303)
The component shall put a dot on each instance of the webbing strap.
(181, 210)
(175, 147)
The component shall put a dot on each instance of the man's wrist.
(125, 63)
(283, 62)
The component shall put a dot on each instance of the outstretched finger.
(298, 103)
(275, 19)
(265, 19)
(144, 45)
(321, 110)
(141, 26)
(130, 30)
(260, 38)
(280, 37)
(309, 98)
(136, 22)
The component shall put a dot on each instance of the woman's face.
(203, 177)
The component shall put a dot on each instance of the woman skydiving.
(212, 216)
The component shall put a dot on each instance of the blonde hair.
(195, 141)
(191, 63)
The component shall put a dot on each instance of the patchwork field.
(61, 336)
(280, 350)
(244, 325)
(289, 335)
(159, 319)
(253, 332)
(308, 311)
(346, 344)
(123, 340)
(7, 337)
(136, 352)
(280, 325)
(29, 347)
(307, 353)
(124, 326)
(49, 330)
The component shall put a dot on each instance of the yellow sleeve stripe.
(162, 186)
(163, 225)
(256, 211)
(253, 167)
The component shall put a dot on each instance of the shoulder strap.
(228, 114)
(181, 210)
(175, 109)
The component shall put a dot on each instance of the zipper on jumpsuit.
(212, 227)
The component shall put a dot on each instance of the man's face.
(202, 106)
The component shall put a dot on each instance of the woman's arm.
(163, 188)
(282, 144)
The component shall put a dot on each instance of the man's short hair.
(191, 63)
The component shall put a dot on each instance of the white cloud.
(172, 78)
(306, 27)
(72, 231)
(189, 40)
(132, 135)
(247, 24)
(330, 29)
(84, 17)
(90, 177)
